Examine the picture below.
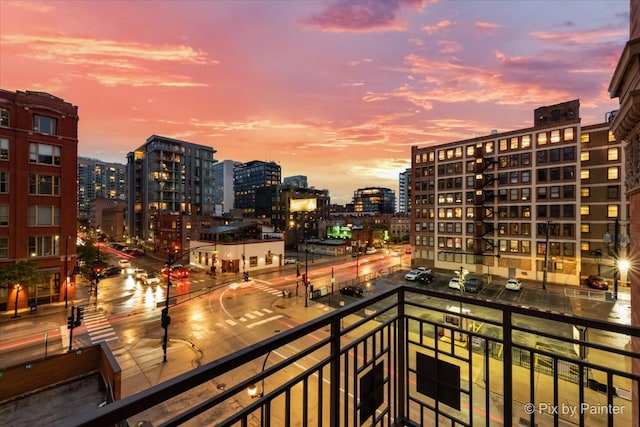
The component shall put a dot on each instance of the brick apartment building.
(38, 192)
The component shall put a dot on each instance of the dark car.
(473, 285)
(596, 282)
(354, 291)
(111, 271)
(426, 278)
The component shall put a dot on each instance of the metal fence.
(407, 356)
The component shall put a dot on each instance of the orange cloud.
(440, 25)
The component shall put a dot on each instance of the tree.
(89, 257)
(23, 272)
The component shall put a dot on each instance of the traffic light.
(176, 248)
(246, 276)
(166, 319)
(79, 316)
(70, 322)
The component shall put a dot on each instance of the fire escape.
(485, 215)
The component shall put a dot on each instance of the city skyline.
(337, 91)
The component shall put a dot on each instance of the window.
(526, 141)
(526, 194)
(568, 134)
(612, 137)
(525, 159)
(514, 143)
(4, 117)
(569, 191)
(613, 173)
(568, 154)
(585, 228)
(4, 215)
(525, 176)
(253, 261)
(554, 155)
(44, 215)
(584, 210)
(502, 145)
(568, 211)
(4, 149)
(612, 211)
(488, 147)
(471, 150)
(584, 156)
(613, 192)
(515, 194)
(555, 192)
(44, 185)
(268, 259)
(584, 174)
(525, 247)
(4, 182)
(554, 174)
(568, 172)
(542, 156)
(42, 246)
(44, 154)
(4, 247)
(613, 154)
(44, 124)
(542, 175)
(542, 193)
(584, 138)
(555, 136)
(542, 138)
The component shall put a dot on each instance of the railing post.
(401, 345)
(507, 365)
(334, 398)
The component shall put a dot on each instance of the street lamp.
(15, 311)
(252, 390)
(306, 272)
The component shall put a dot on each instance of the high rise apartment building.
(38, 198)
(518, 203)
(167, 176)
(374, 199)
(250, 176)
(404, 191)
(98, 179)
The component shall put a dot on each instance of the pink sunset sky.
(335, 90)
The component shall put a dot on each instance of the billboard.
(302, 205)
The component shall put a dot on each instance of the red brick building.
(38, 192)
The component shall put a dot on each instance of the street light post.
(15, 310)
(66, 272)
(306, 272)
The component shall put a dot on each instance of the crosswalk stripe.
(231, 322)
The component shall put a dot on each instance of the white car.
(454, 283)
(139, 273)
(425, 270)
(124, 263)
(151, 279)
(413, 274)
(290, 261)
(513, 284)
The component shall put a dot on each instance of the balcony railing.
(412, 357)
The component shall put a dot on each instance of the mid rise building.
(374, 199)
(38, 193)
(404, 191)
(167, 176)
(296, 181)
(532, 203)
(223, 196)
(98, 179)
(249, 177)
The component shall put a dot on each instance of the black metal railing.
(408, 356)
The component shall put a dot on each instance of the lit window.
(585, 247)
(432, 156)
(526, 141)
(417, 158)
(441, 155)
(555, 136)
(4, 149)
(585, 228)
(43, 246)
(613, 154)
(585, 192)
(488, 147)
(584, 138)
(450, 154)
(514, 143)
(44, 154)
(584, 156)
(584, 174)
(542, 138)
(612, 137)
(458, 153)
(470, 213)
(612, 211)
(613, 173)
(584, 210)
(471, 150)
(502, 145)
(568, 134)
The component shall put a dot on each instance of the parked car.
(351, 290)
(454, 283)
(473, 285)
(290, 260)
(151, 279)
(513, 284)
(424, 270)
(596, 282)
(426, 278)
(371, 251)
(413, 274)
(111, 271)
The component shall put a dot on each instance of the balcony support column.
(334, 398)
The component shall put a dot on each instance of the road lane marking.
(269, 319)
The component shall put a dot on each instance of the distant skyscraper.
(250, 176)
(98, 179)
(299, 181)
(374, 199)
(167, 176)
(223, 185)
(404, 198)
